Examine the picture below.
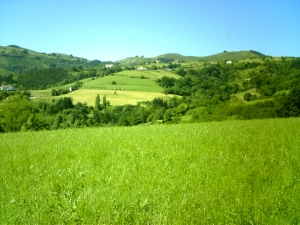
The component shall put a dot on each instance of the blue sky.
(115, 29)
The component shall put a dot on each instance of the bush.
(247, 97)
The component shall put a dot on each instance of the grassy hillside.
(123, 83)
(18, 60)
(233, 172)
(171, 57)
(134, 61)
(130, 80)
(130, 88)
(240, 55)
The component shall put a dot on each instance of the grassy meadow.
(115, 97)
(130, 80)
(231, 172)
(124, 83)
(129, 88)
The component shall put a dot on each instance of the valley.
(66, 91)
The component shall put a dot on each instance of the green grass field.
(124, 83)
(115, 97)
(231, 172)
(153, 75)
(129, 88)
(130, 80)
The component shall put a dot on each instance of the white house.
(228, 62)
(141, 68)
(109, 65)
(7, 88)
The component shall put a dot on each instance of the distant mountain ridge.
(17, 60)
(171, 57)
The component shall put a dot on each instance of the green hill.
(130, 80)
(17, 60)
(171, 57)
(239, 55)
(134, 61)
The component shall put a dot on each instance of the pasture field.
(129, 88)
(231, 172)
(115, 97)
(124, 83)
(150, 74)
(130, 80)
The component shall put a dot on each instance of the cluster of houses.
(7, 88)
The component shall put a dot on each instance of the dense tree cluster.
(40, 79)
(19, 113)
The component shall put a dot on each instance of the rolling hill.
(171, 57)
(239, 55)
(17, 60)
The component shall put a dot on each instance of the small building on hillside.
(109, 65)
(141, 68)
(7, 88)
(228, 62)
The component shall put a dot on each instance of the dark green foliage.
(97, 103)
(57, 92)
(181, 72)
(42, 78)
(247, 97)
(14, 113)
(7, 79)
(60, 105)
(166, 81)
(104, 102)
(289, 105)
(34, 124)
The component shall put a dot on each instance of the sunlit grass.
(232, 172)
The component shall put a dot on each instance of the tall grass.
(232, 172)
